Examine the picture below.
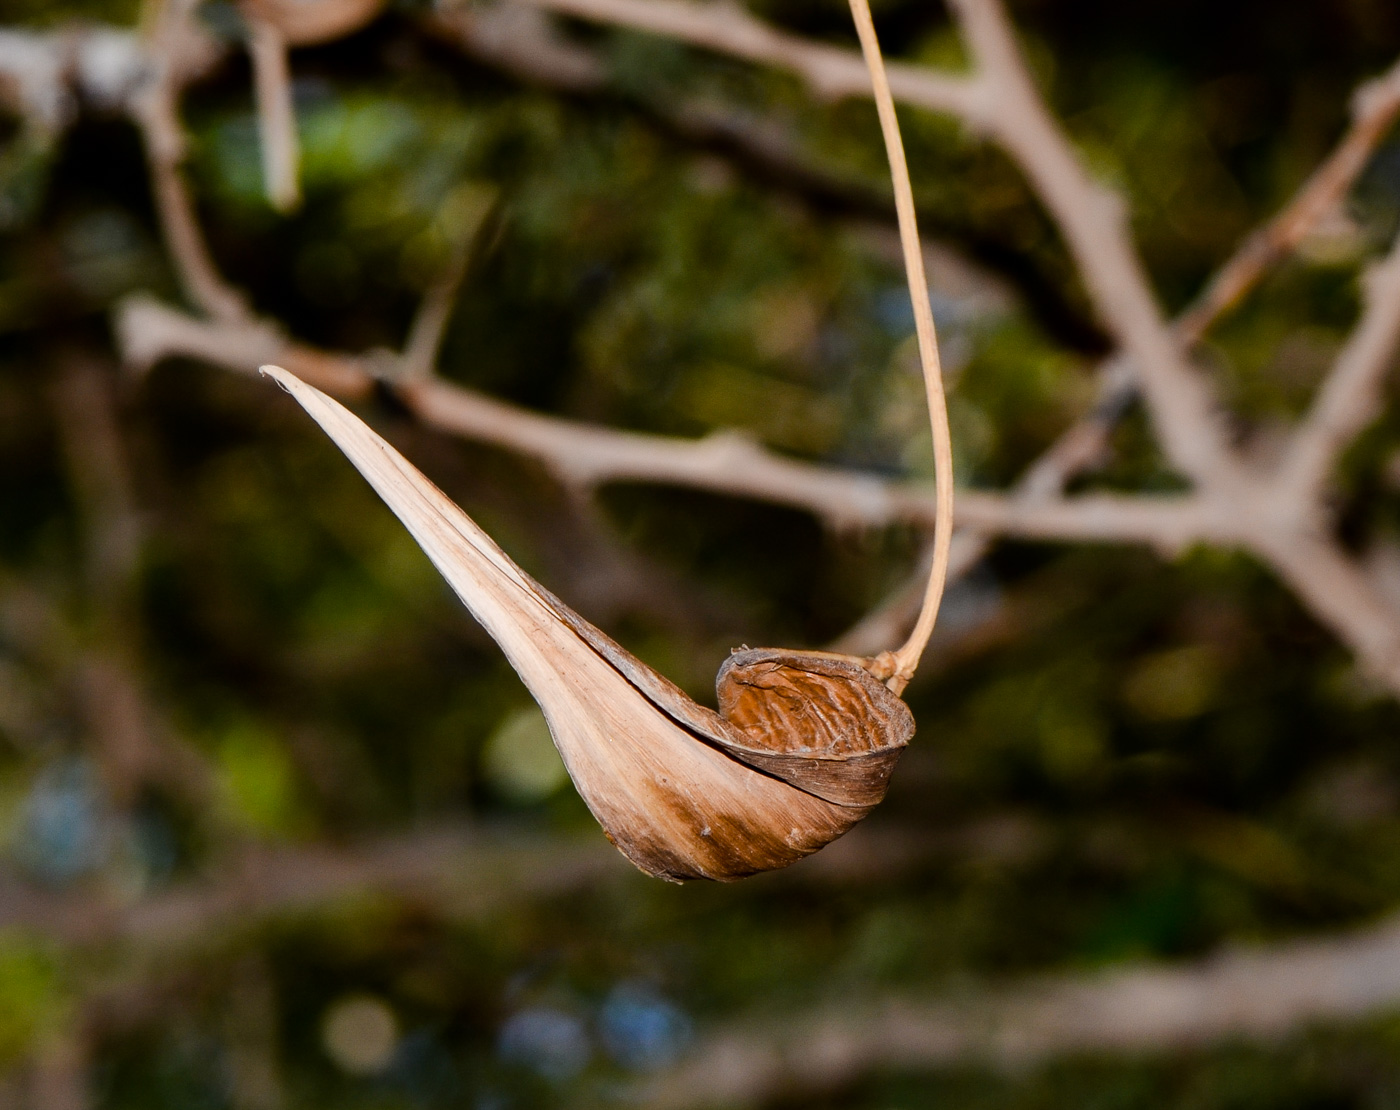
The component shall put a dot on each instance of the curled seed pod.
(307, 22)
(804, 742)
(817, 720)
(801, 750)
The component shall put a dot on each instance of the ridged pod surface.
(801, 749)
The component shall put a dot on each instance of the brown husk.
(801, 750)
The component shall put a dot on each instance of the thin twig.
(154, 113)
(1233, 512)
(583, 456)
(1179, 400)
(1350, 397)
(728, 29)
(522, 41)
(420, 352)
(175, 48)
(897, 669)
(1375, 106)
(277, 121)
(1001, 101)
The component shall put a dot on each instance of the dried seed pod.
(817, 720)
(307, 22)
(801, 750)
(804, 743)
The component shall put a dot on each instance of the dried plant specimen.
(802, 754)
(804, 742)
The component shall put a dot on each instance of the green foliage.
(34, 1002)
(257, 779)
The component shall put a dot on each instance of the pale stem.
(906, 660)
(277, 121)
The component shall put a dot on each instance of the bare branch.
(1001, 101)
(1169, 522)
(584, 455)
(1264, 993)
(154, 113)
(175, 43)
(467, 214)
(1093, 221)
(522, 41)
(1338, 591)
(1236, 509)
(1376, 105)
(1350, 397)
(1374, 108)
(728, 29)
(581, 455)
(465, 871)
(277, 121)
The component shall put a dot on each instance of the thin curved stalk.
(902, 664)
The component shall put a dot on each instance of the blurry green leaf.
(33, 1002)
(1073, 740)
(1250, 850)
(1174, 685)
(258, 780)
(25, 162)
(520, 760)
